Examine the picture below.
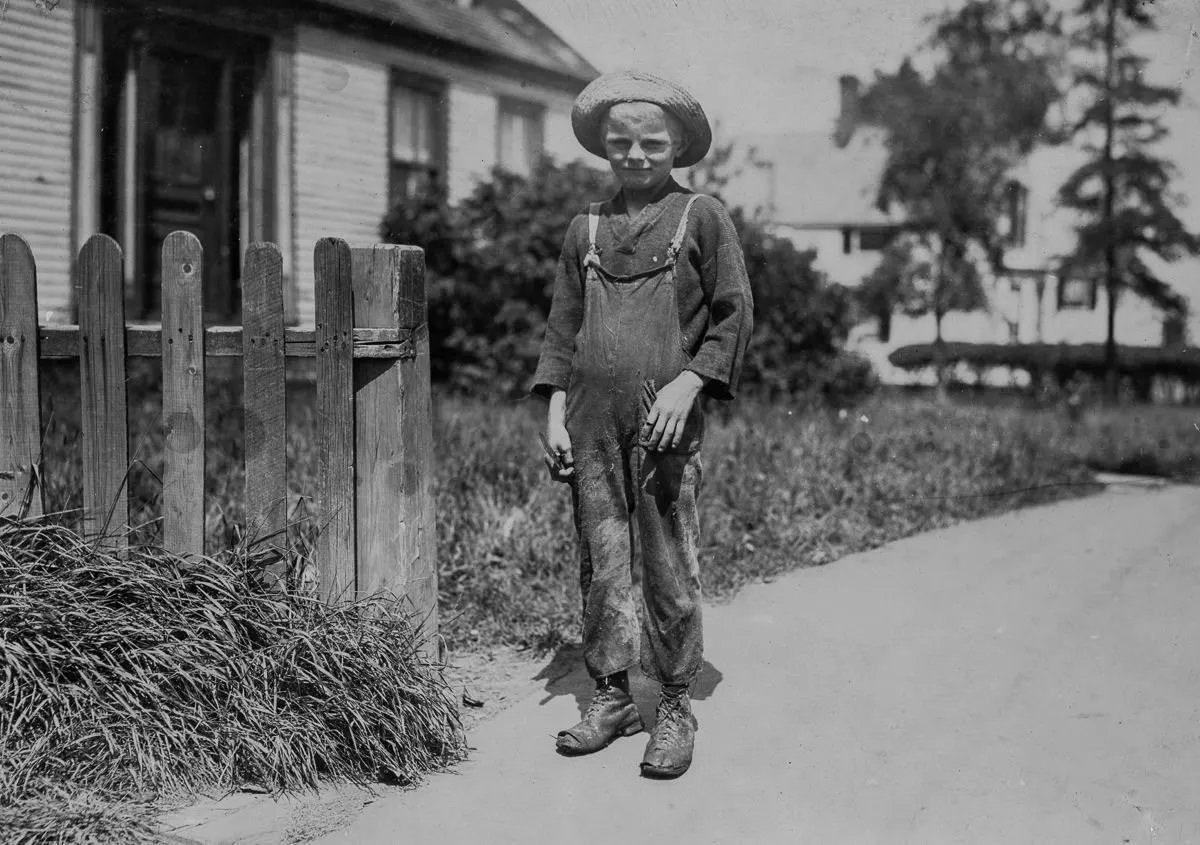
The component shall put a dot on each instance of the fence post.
(20, 412)
(335, 417)
(183, 393)
(393, 436)
(264, 391)
(104, 415)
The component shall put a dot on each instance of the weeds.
(783, 489)
(127, 676)
(785, 486)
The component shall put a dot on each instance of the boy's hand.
(669, 413)
(559, 442)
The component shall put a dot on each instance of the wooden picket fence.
(374, 428)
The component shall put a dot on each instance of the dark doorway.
(180, 93)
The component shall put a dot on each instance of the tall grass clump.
(145, 674)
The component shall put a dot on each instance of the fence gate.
(374, 415)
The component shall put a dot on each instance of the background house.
(818, 189)
(284, 122)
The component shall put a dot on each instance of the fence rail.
(374, 427)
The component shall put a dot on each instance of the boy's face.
(642, 142)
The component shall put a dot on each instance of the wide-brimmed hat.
(632, 86)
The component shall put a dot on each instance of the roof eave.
(429, 42)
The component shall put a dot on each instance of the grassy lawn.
(785, 487)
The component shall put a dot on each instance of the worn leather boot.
(669, 751)
(611, 714)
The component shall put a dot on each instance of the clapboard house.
(265, 121)
(819, 190)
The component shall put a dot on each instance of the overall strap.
(593, 254)
(677, 241)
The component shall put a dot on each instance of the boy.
(651, 308)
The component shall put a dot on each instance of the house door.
(188, 168)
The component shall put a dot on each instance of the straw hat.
(632, 86)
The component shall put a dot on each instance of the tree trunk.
(1111, 380)
(939, 357)
(939, 344)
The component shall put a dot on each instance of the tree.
(956, 133)
(1121, 191)
(491, 261)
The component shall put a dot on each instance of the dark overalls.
(626, 495)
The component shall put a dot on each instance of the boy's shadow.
(565, 674)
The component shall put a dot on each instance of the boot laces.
(602, 698)
(670, 718)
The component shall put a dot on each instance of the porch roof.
(501, 28)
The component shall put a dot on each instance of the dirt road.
(1028, 678)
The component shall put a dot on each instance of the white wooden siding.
(36, 112)
(340, 136)
(472, 139)
(560, 139)
(341, 149)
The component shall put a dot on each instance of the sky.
(770, 66)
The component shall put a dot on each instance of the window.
(1013, 222)
(847, 241)
(1076, 292)
(875, 239)
(418, 131)
(520, 135)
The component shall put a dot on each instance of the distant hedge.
(1058, 359)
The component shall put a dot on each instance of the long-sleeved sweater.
(712, 289)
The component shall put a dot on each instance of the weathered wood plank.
(264, 391)
(20, 413)
(396, 536)
(145, 341)
(335, 417)
(183, 393)
(100, 279)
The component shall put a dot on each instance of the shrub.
(800, 323)
(491, 261)
(492, 258)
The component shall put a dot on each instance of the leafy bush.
(800, 323)
(492, 258)
(491, 261)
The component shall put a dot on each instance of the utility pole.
(1111, 381)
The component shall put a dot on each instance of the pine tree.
(1122, 190)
